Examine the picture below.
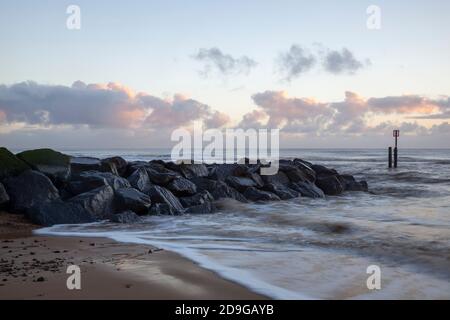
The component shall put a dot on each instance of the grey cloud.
(340, 62)
(225, 64)
(295, 62)
(97, 106)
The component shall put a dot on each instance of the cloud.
(298, 60)
(109, 105)
(295, 62)
(225, 64)
(352, 116)
(340, 62)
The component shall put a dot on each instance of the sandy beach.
(34, 267)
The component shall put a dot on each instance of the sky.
(136, 70)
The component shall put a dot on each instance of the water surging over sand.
(320, 248)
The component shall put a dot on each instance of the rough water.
(318, 248)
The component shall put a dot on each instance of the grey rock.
(59, 212)
(350, 184)
(307, 189)
(163, 209)
(4, 198)
(218, 189)
(182, 187)
(240, 183)
(161, 178)
(85, 184)
(98, 202)
(222, 171)
(112, 180)
(162, 195)
(278, 178)
(293, 173)
(204, 208)
(190, 171)
(117, 165)
(282, 191)
(139, 179)
(254, 194)
(29, 189)
(330, 185)
(81, 164)
(127, 217)
(132, 199)
(197, 199)
(323, 171)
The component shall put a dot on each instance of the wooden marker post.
(396, 134)
(390, 157)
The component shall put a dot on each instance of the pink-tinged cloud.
(109, 105)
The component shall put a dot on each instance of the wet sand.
(34, 267)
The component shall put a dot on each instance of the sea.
(392, 242)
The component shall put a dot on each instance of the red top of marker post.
(396, 133)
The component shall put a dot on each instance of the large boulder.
(59, 212)
(132, 199)
(161, 178)
(222, 171)
(281, 191)
(4, 198)
(127, 217)
(182, 187)
(29, 189)
(254, 194)
(218, 189)
(305, 167)
(323, 171)
(330, 185)
(204, 208)
(139, 179)
(162, 195)
(293, 173)
(10, 165)
(53, 164)
(118, 164)
(240, 183)
(190, 171)
(111, 179)
(350, 184)
(307, 189)
(163, 209)
(98, 202)
(82, 164)
(196, 199)
(85, 184)
(279, 178)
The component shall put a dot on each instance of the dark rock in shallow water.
(193, 170)
(222, 171)
(139, 179)
(330, 185)
(240, 183)
(162, 195)
(305, 167)
(112, 180)
(293, 173)
(85, 184)
(350, 184)
(307, 189)
(182, 187)
(197, 199)
(4, 198)
(133, 199)
(218, 189)
(29, 189)
(53, 164)
(98, 202)
(59, 212)
(254, 194)
(323, 171)
(117, 164)
(204, 208)
(278, 178)
(126, 217)
(161, 178)
(281, 191)
(10, 165)
(163, 209)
